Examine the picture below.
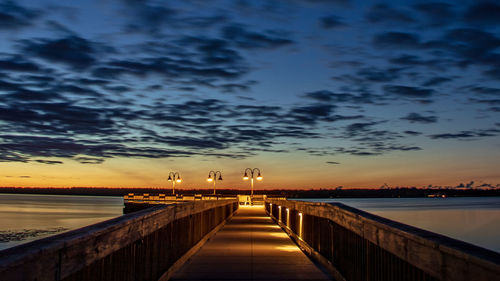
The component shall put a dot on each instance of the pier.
(227, 239)
(250, 247)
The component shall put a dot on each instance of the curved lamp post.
(174, 177)
(250, 175)
(214, 179)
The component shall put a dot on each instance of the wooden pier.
(250, 247)
(228, 239)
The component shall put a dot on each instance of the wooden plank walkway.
(250, 247)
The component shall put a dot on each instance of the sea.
(475, 220)
(27, 217)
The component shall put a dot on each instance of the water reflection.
(474, 220)
(27, 217)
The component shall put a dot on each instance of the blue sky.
(357, 93)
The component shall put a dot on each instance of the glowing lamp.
(245, 177)
(259, 177)
(210, 179)
(179, 180)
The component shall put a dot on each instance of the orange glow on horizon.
(282, 172)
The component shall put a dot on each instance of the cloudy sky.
(316, 93)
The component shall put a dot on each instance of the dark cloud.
(484, 12)
(235, 87)
(73, 50)
(434, 81)
(400, 40)
(197, 61)
(310, 114)
(486, 101)
(382, 13)
(436, 13)
(146, 17)
(413, 133)
(369, 140)
(203, 22)
(18, 64)
(356, 151)
(460, 47)
(415, 61)
(331, 21)
(246, 39)
(153, 18)
(154, 96)
(473, 46)
(338, 2)
(328, 96)
(481, 90)
(356, 129)
(207, 127)
(89, 160)
(373, 74)
(332, 162)
(417, 118)
(465, 135)
(408, 91)
(13, 16)
(49, 162)
(375, 149)
(22, 148)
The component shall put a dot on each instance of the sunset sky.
(315, 93)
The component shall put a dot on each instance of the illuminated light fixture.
(300, 225)
(279, 207)
(214, 179)
(246, 176)
(287, 216)
(174, 177)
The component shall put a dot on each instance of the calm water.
(27, 217)
(474, 220)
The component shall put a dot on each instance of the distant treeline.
(291, 193)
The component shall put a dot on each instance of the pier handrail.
(138, 236)
(357, 245)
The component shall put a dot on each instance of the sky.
(315, 93)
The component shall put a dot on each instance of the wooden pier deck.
(250, 247)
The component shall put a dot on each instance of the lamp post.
(214, 179)
(174, 177)
(252, 173)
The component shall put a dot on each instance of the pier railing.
(145, 245)
(356, 245)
